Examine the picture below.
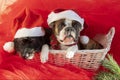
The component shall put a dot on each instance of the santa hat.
(30, 26)
(30, 32)
(68, 14)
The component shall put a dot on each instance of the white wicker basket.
(87, 59)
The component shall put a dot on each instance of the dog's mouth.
(68, 39)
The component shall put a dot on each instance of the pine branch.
(114, 70)
(112, 65)
(106, 76)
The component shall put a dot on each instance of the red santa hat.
(30, 26)
(68, 14)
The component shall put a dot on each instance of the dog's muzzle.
(28, 53)
(70, 33)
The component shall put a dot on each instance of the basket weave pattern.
(88, 59)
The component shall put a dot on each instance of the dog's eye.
(32, 40)
(76, 24)
(62, 24)
(25, 40)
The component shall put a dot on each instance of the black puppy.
(28, 45)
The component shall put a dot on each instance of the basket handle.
(105, 39)
(110, 36)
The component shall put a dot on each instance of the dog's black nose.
(69, 29)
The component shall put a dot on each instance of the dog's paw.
(71, 51)
(44, 53)
(44, 58)
(70, 54)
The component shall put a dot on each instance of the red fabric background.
(99, 16)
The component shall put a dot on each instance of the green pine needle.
(106, 76)
(114, 70)
(111, 64)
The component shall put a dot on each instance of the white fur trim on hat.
(9, 47)
(68, 14)
(32, 32)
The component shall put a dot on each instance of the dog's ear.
(52, 26)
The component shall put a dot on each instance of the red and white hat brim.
(30, 32)
(68, 14)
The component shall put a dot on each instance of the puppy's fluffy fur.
(28, 46)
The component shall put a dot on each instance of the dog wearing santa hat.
(28, 41)
(66, 26)
(29, 36)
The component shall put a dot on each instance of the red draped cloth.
(99, 17)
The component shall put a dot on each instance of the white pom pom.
(84, 39)
(9, 47)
